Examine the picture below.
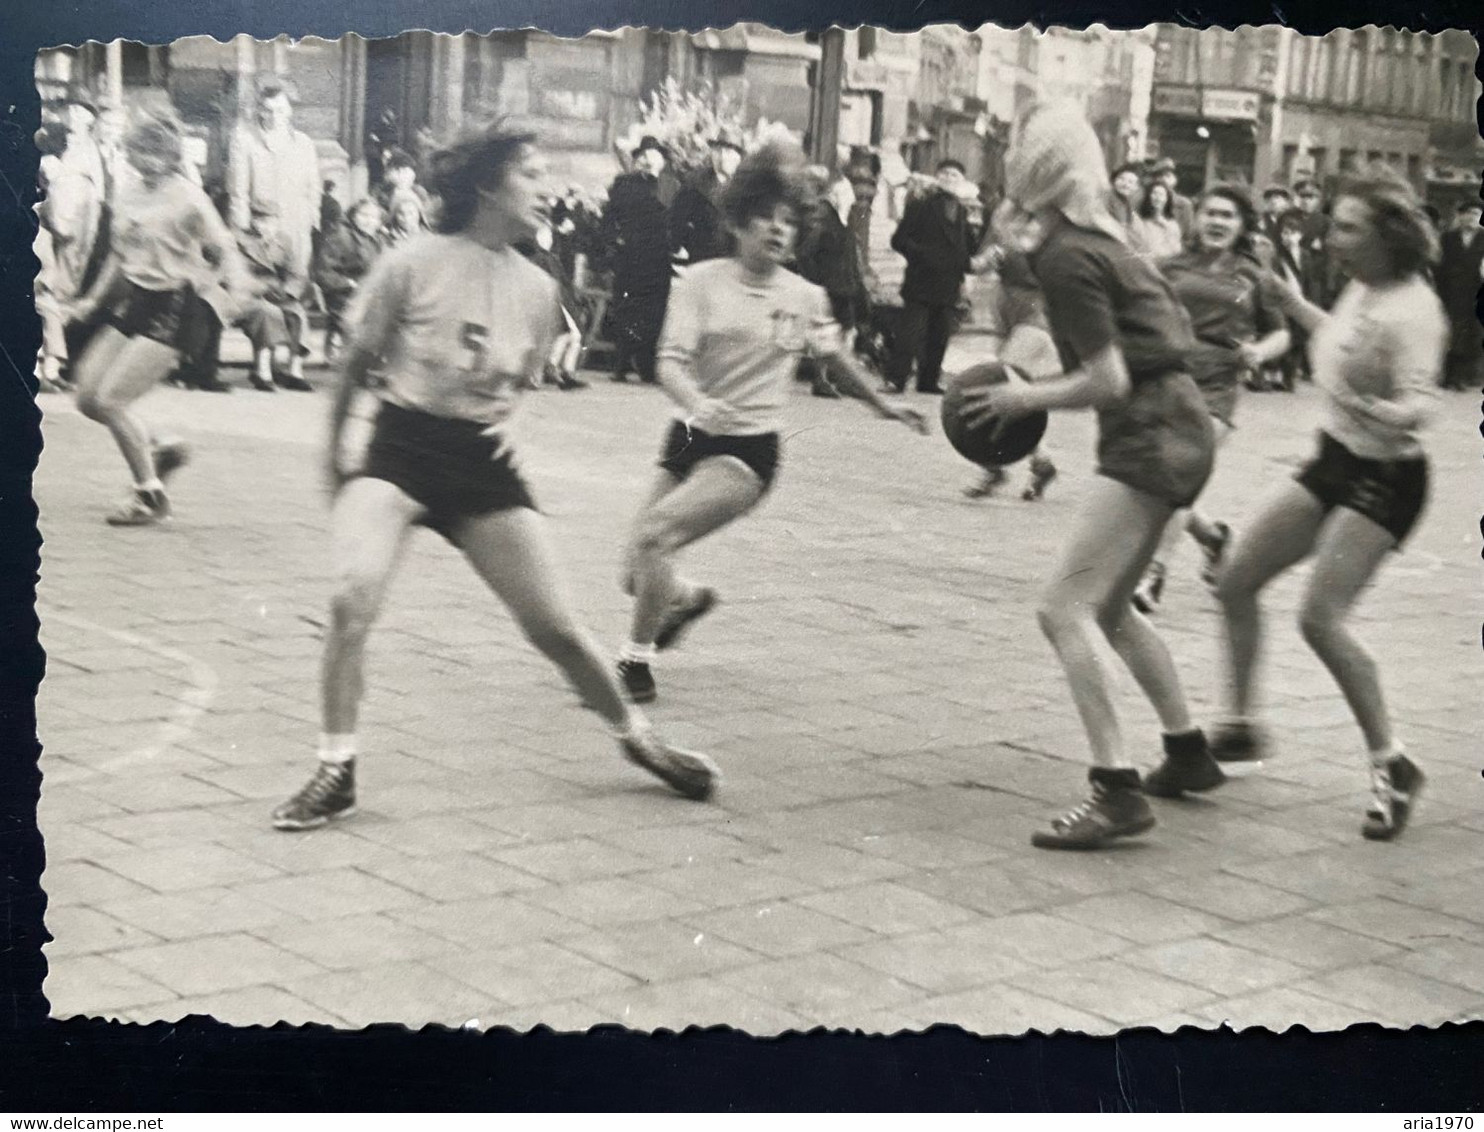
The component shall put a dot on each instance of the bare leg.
(663, 484)
(1109, 550)
(1350, 550)
(1282, 536)
(115, 372)
(369, 531)
(509, 551)
(719, 490)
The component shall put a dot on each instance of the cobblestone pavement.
(890, 722)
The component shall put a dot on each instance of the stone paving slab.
(890, 722)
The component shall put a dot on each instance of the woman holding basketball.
(1123, 338)
(1236, 311)
(1376, 359)
(170, 252)
(454, 325)
(733, 335)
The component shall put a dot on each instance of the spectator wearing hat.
(1459, 274)
(635, 235)
(935, 240)
(698, 231)
(1184, 209)
(1276, 200)
(399, 177)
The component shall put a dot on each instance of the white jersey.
(1384, 342)
(741, 340)
(459, 328)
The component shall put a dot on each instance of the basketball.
(992, 443)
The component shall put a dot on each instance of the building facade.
(1261, 105)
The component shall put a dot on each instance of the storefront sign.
(1230, 105)
(1177, 101)
(1218, 105)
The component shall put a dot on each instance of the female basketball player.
(169, 251)
(1377, 359)
(1237, 313)
(1123, 338)
(456, 324)
(732, 339)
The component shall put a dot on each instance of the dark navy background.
(83, 1066)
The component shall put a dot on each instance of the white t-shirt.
(741, 340)
(1384, 342)
(460, 328)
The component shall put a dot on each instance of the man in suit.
(634, 229)
(1459, 275)
(935, 240)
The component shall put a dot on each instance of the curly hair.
(765, 179)
(1397, 218)
(1241, 200)
(478, 158)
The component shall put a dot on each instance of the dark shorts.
(162, 316)
(1160, 440)
(1390, 493)
(444, 464)
(686, 447)
(1220, 390)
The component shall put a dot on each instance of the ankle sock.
(643, 654)
(338, 749)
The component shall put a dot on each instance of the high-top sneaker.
(686, 772)
(1395, 785)
(1043, 471)
(637, 680)
(1116, 808)
(1187, 767)
(329, 795)
(144, 508)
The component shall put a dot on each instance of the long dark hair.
(1241, 200)
(1146, 206)
(477, 159)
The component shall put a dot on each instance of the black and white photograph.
(858, 529)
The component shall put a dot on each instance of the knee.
(1317, 622)
(93, 405)
(655, 538)
(354, 607)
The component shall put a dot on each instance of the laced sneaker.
(1043, 471)
(142, 509)
(1114, 810)
(686, 772)
(330, 794)
(1395, 785)
(680, 620)
(1215, 552)
(1238, 746)
(1187, 768)
(170, 457)
(1147, 597)
(637, 680)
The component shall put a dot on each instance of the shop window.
(1290, 159)
(866, 43)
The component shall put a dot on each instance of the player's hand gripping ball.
(993, 441)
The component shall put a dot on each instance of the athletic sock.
(338, 749)
(1384, 756)
(153, 484)
(642, 654)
